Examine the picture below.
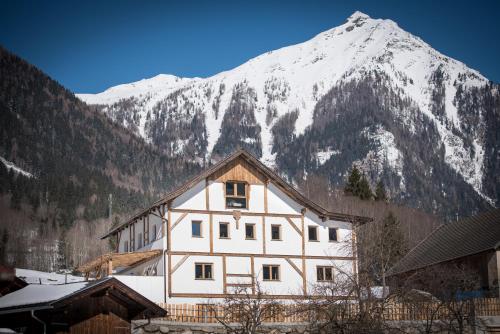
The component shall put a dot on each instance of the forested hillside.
(61, 159)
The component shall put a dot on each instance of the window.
(224, 230)
(125, 246)
(332, 234)
(236, 195)
(275, 232)
(203, 271)
(140, 241)
(313, 233)
(271, 272)
(153, 238)
(196, 228)
(249, 231)
(325, 274)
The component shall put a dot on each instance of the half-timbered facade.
(233, 225)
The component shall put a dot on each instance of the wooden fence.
(391, 311)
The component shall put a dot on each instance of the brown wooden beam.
(224, 274)
(294, 266)
(178, 220)
(268, 256)
(294, 226)
(243, 213)
(181, 261)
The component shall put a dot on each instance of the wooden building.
(103, 306)
(472, 243)
(235, 224)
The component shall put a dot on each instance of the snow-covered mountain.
(423, 122)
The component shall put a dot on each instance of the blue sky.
(89, 46)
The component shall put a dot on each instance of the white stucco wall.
(150, 287)
(290, 281)
(279, 202)
(182, 239)
(256, 198)
(291, 241)
(237, 242)
(183, 279)
(216, 196)
(193, 198)
(323, 246)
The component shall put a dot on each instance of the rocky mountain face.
(365, 93)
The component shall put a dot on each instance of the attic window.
(236, 195)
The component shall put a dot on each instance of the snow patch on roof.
(38, 294)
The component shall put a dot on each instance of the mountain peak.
(357, 15)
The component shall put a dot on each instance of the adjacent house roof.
(452, 241)
(37, 297)
(271, 175)
(119, 260)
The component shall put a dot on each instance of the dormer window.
(236, 195)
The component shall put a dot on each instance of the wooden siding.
(238, 170)
(103, 324)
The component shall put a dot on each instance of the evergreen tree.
(380, 194)
(364, 191)
(15, 199)
(3, 246)
(352, 186)
(61, 260)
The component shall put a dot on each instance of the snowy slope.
(296, 77)
(42, 277)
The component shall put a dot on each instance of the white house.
(232, 225)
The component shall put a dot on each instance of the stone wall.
(158, 326)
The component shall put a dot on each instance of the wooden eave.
(118, 260)
(127, 295)
(270, 174)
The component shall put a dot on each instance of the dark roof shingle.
(454, 240)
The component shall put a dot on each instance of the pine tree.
(3, 246)
(352, 186)
(15, 199)
(364, 191)
(380, 194)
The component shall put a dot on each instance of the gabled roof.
(452, 241)
(270, 174)
(40, 296)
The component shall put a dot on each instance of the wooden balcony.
(103, 265)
